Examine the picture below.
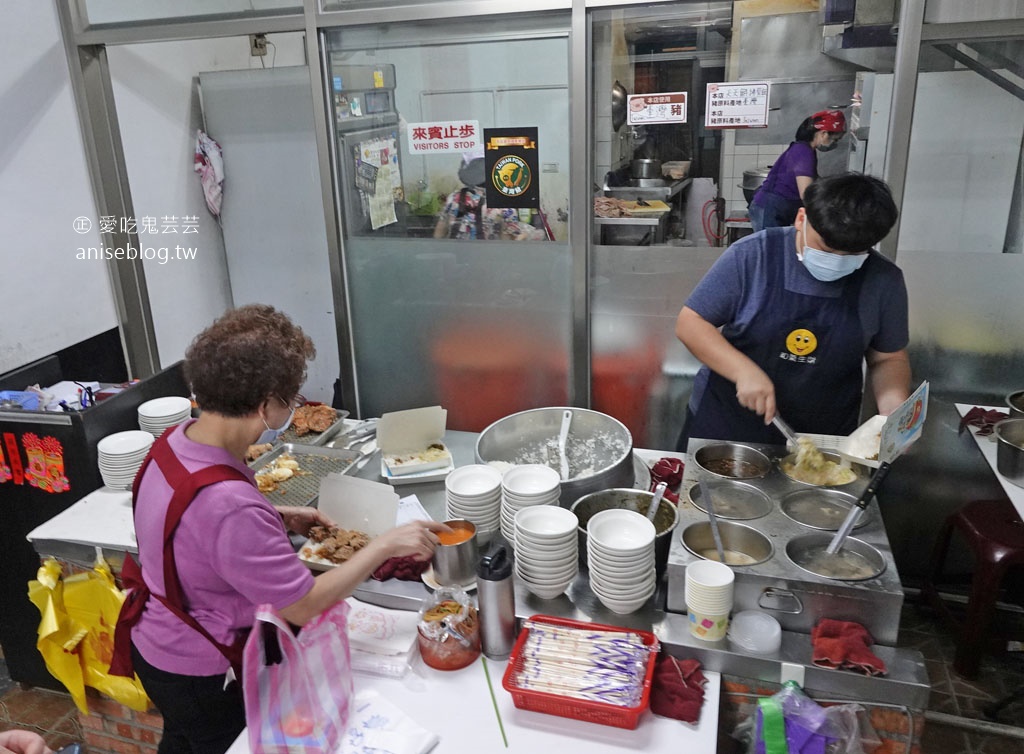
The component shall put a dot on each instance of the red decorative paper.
(45, 463)
(5, 470)
(14, 456)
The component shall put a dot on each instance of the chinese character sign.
(663, 107)
(444, 136)
(737, 105)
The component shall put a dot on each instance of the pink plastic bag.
(301, 704)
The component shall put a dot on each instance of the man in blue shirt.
(786, 318)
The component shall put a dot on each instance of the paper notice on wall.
(381, 156)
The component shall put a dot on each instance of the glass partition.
(457, 297)
(107, 12)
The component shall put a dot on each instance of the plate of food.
(330, 546)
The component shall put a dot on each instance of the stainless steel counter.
(906, 684)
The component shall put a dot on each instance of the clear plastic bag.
(449, 630)
(790, 722)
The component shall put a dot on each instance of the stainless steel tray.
(316, 438)
(316, 462)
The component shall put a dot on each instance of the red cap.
(829, 120)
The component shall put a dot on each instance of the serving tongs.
(786, 430)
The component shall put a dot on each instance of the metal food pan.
(304, 488)
(316, 438)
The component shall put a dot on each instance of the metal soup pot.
(1015, 402)
(599, 448)
(645, 168)
(1010, 451)
(665, 520)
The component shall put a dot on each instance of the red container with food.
(449, 631)
(579, 709)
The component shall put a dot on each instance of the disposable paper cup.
(716, 607)
(709, 586)
(708, 626)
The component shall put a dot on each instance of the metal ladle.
(857, 508)
(563, 435)
(709, 506)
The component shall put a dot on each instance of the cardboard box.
(411, 442)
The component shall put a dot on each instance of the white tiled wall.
(735, 160)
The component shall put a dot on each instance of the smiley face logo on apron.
(801, 342)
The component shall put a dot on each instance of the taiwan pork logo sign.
(510, 156)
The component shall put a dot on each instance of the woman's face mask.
(270, 434)
(826, 266)
(833, 142)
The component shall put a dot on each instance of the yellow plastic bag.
(76, 632)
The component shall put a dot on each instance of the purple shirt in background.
(232, 553)
(798, 159)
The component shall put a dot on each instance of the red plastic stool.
(995, 534)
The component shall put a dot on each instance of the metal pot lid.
(737, 501)
(823, 509)
(856, 561)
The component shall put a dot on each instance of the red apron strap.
(185, 487)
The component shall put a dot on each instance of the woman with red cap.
(780, 196)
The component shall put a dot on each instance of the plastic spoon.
(563, 435)
(659, 492)
(705, 493)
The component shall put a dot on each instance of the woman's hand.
(416, 538)
(22, 742)
(299, 519)
(755, 391)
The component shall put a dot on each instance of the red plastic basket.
(579, 709)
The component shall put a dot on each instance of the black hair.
(851, 211)
(805, 132)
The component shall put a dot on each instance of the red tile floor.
(53, 715)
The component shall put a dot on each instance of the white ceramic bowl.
(623, 606)
(548, 578)
(531, 481)
(127, 443)
(622, 530)
(473, 481)
(546, 522)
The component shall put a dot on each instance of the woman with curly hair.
(228, 550)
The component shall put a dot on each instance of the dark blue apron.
(817, 392)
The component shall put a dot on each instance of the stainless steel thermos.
(497, 603)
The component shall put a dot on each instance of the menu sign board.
(661, 107)
(737, 105)
(444, 136)
(904, 425)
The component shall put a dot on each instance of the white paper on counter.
(376, 726)
(410, 509)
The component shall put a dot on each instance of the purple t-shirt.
(232, 553)
(734, 293)
(798, 159)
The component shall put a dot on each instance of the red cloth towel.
(845, 645)
(677, 689)
(669, 471)
(405, 568)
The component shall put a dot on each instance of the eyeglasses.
(297, 402)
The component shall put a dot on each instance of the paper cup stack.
(525, 487)
(620, 555)
(473, 493)
(120, 456)
(709, 591)
(547, 559)
(160, 414)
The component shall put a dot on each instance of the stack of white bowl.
(120, 456)
(546, 549)
(620, 556)
(473, 493)
(161, 414)
(524, 487)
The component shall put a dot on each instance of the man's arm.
(754, 389)
(889, 378)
